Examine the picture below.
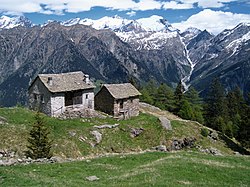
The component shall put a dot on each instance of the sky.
(213, 15)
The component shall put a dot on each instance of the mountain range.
(113, 49)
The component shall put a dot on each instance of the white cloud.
(74, 6)
(213, 21)
(208, 3)
(131, 14)
(175, 5)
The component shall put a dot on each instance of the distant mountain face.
(8, 23)
(113, 49)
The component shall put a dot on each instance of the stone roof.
(65, 82)
(122, 91)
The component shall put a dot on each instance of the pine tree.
(192, 96)
(186, 110)
(39, 143)
(164, 97)
(235, 103)
(178, 95)
(215, 106)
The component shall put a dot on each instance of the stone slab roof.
(122, 91)
(65, 82)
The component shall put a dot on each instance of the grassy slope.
(160, 169)
(148, 169)
(14, 134)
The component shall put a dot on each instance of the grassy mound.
(73, 138)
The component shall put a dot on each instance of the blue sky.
(213, 15)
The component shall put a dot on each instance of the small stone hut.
(53, 94)
(119, 100)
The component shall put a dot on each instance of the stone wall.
(39, 97)
(130, 107)
(104, 101)
(88, 98)
(57, 104)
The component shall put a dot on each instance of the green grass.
(148, 169)
(14, 134)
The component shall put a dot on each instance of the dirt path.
(155, 111)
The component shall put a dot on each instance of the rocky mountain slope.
(112, 49)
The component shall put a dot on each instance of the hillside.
(120, 159)
(76, 138)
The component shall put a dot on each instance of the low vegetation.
(74, 138)
(119, 158)
(148, 169)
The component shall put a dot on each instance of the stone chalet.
(53, 94)
(119, 100)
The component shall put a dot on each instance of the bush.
(204, 132)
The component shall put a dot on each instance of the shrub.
(204, 132)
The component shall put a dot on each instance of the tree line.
(227, 112)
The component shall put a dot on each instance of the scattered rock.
(92, 178)
(237, 153)
(72, 134)
(25, 161)
(212, 151)
(3, 120)
(72, 113)
(214, 135)
(183, 143)
(215, 152)
(106, 126)
(134, 132)
(82, 138)
(165, 123)
(162, 148)
(98, 136)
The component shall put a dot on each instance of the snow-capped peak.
(11, 22)
(106, 22)
(71, 22)
(193, 30)
(154, 23)
(116, 23)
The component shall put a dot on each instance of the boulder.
(214, 135)
(3, 120)
(92, 178)
(162, 148)
(183, 143)
(98, 136)
(134, 132)
(166, 124)
(106, 126)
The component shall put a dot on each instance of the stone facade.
(55, 103)
(125, 107)
(40, 98)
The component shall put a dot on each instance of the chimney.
(50, 83)
(86, 79)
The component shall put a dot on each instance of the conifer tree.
(186, 110)
(215, 106)
(164, 97)
(178, 95)
(192, 96)
(39, 143)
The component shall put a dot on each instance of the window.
(121, 105)
(87, 96)
(35, 97)
(39, 98)
(42, 98)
